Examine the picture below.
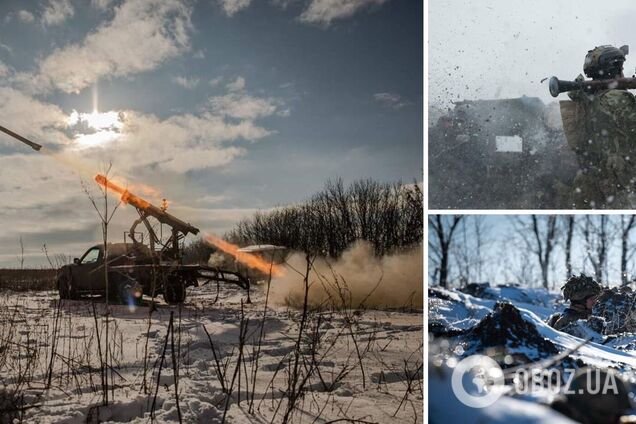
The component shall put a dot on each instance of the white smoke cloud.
(357, 278)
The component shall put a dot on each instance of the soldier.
(582, 292)
(605, 141)
(594, 396)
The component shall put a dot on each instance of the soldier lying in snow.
(604, 310)
(582, 292)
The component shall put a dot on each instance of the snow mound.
(450, 312)
(505, 328)
(459, 317)
(513, 293)
(444, 407)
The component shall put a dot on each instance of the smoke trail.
(358, 278)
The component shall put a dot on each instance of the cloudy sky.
(501, 49)
(222, 106)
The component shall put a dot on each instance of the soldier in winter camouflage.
(604, 138)
(582, 292)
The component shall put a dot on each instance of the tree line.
(388, 215)
(461, 247)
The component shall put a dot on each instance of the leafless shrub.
(390, 216)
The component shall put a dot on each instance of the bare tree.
(21, 257)
(105, 216)
(539, 235)
(469, 248)
(443, 228)
(569, 222)
(627, 251)
(597, 234)
(481, 239)
(462, 254)
(389, 216)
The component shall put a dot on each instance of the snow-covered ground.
(463, 324)
(384, 387)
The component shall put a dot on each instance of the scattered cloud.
(4, 70)
(31, 118)
(6, 47)
(211, 199)
(25, 16)
(179, 143)
(245, 106)
(215, 81)
(101, 4)
(390, 100)
(28, 181)
(56, 12)
(185, 82)
(237, 103)
(283, 4)
(43, 203)
(160, 30)
(237, 85)
(323, 12)
(231, 7)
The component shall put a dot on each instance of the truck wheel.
(65, 287)
(174, 292)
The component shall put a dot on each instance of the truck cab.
(86, 275)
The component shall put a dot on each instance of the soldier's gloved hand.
(578, 94)
(597, 324)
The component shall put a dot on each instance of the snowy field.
(508, 324)
(347, 365)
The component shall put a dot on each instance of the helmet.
(580, 287)
(601, 395)
(605, 62)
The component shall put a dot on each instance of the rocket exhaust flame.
(125, 195)
(143, 205)
(252, 261)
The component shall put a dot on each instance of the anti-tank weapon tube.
(31, 144)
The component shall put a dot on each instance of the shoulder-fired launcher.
(558, 86)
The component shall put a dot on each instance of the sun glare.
(95, 128)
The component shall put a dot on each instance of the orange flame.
(126, 196)
(248, 259)
(139, 188)
(144, 190)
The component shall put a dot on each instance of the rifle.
(558, 86)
